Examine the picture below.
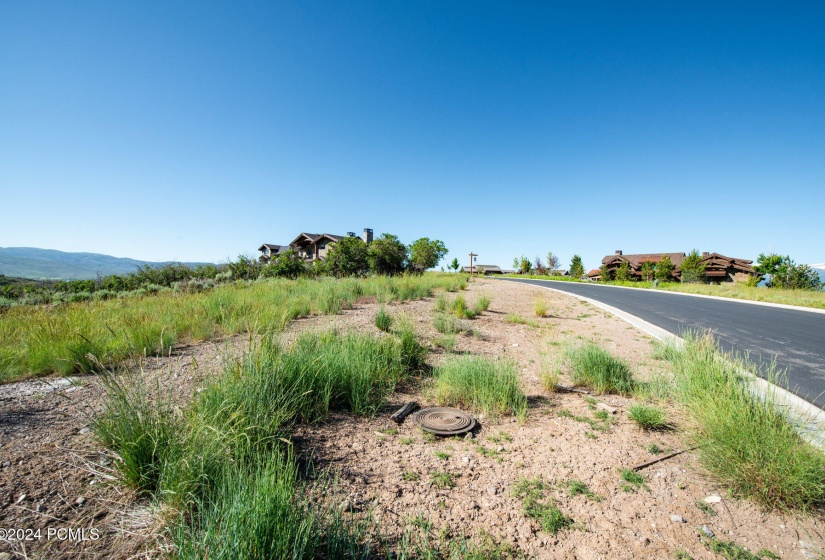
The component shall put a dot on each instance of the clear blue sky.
(198, 130)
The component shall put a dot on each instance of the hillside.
(39, 264)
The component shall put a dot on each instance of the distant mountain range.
(48, 264)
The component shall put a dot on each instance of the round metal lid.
(444, 421)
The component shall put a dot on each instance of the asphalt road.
(795, 339)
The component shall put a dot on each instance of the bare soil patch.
(48, 456)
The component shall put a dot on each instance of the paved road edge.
(705, 296)
(809, 418)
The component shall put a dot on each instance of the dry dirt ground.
(54, 476)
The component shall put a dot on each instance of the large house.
(718, 268)
(309, 246)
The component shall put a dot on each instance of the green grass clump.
(443, 455)
(383, 320)
(442, 480)
(410, 476)
(648, 417)
(540, 307)
(482, 304)
(654, 449)
(577, 488)
(594, 367)
(448, 324)
(460, 309)
(536, 506)
(550, 379)
(447, 342)
(745, 440)
(485, 385)
(634, 479)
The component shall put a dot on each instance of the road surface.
(794, 338)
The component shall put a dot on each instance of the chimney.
(367, 236)
(350, 234)
(619, 252)
(705, 253)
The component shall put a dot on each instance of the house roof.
(635, 261)
(487, 267)
(315, 237)
(271, 247)
(716, 261)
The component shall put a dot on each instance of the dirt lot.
(55, 477)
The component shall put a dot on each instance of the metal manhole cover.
(444, 421)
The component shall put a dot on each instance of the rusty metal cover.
(444, 421)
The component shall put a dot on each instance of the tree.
(770, 264)
(454, 265)
(784, 273)
(623, 272)
(648, 271)
(425, 253)
(552, 261)
(693, 270)
(797, 277)
(387, 255)
(604, 274)
(347, 257)
(664, 269)
(576, 267)
(287, 264)
(539, 266)
(524, 265)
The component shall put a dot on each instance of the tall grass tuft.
(648, 417)
(594, 367)
(746, 439)
(540, 307)
(485, 385)
(383, 320)
(482, 304)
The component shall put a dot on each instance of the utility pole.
(472, 255)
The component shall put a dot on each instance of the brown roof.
(636, 261)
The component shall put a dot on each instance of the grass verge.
(745, 439)
(78, 337)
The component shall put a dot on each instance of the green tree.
(524, 265)
(648, 271)
(576, 267)
(623, 272)
(787, 274)
(604, 274)
(552, 261)
(664, 269)
(693, 270)
(347, 257)
(425, 253)
(771, 264)
(454, 266)
(287, 264)
(387, 255)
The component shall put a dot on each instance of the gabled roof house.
(310, 246)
